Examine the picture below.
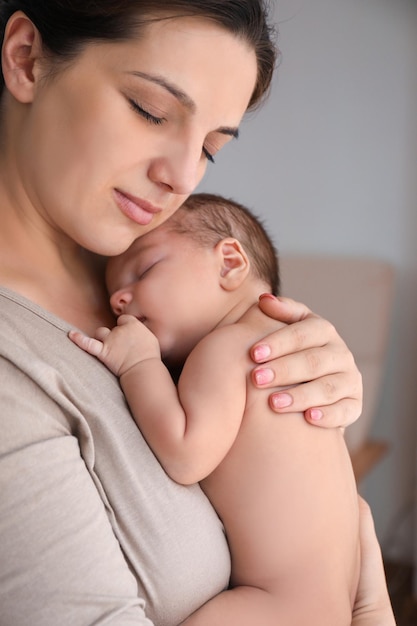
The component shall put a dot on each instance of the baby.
(186, 295)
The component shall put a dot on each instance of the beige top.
(92, 530)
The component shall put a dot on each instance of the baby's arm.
(189, 436)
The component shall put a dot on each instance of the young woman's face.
(113, 144)
(171, 284)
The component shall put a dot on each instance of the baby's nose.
(120, 300)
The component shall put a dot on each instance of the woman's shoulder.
(36, 341)
(14, 306)
(42, 366)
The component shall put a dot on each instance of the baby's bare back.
(287, 497)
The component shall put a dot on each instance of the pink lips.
(137, 210)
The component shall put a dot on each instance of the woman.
(109, 113)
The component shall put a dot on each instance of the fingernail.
(281, 400)
(267, 295)
(262, 352)
(264, 376)
(316, 414)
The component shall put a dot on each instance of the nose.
(120, 300)
(180, 170)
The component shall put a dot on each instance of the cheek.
(148, 295)
(55, 151)
(165, 301)
(78, 139)
(201, 171)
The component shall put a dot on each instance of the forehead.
(207, 61)
(162, 240)
(161, 236)
(192, 31)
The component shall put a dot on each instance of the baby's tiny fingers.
(101, 333)
(89, 344)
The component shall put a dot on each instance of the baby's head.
(185, 277)
(209, 218)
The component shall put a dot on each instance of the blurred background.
(330, 165)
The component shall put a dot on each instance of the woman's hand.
(309, 356)
(372, 604)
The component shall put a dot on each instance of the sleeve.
(60, 562)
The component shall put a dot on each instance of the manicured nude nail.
(315, 414)
(262, 352)
(264, 376)
(281, 400)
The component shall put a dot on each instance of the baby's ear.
(234, 263)
(22, 51)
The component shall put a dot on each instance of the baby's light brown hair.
(208, 218)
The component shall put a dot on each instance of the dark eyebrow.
(180, 95)
(183, 98)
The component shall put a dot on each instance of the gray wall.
(330, 163)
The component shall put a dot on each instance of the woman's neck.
(54, 273)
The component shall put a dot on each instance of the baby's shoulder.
(255, 324)
(237, 338)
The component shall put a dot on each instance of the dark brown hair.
(67, 25)
(209, 218)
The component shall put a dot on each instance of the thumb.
(283, 309)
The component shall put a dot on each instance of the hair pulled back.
(67, 25)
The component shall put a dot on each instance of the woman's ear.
(234, 263)
(22, 50)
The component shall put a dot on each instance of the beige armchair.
(356, 295)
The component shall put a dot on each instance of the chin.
(113, 247)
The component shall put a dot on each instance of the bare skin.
(264, 480)
(44, 238)
(62, 210)
(373, 605)
(270, 478)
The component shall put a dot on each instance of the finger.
(307, 365)
(367, 527)
(312, 332)
(339, 415)
(372, 564)
(372, 594)
(101, 333)
(322, 400)
(126, 319)
(89, 344)
(283, 309)
(320, 391)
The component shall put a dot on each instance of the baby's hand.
(122, 347)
